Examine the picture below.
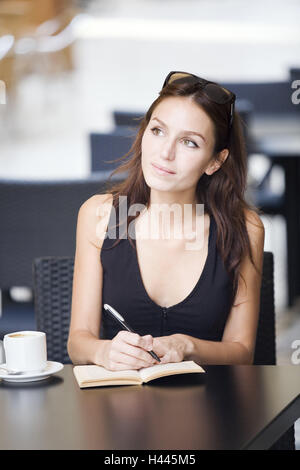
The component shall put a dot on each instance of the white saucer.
(51, 368)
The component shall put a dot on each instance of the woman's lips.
(161, 170)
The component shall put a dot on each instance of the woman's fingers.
(145, 342)
(132, 356)
(131, 349)
(160, 347)
(135, 352)
(130, 362)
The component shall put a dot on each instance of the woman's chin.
(158, 183)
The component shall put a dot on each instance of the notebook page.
(160, 370)
(93, 373)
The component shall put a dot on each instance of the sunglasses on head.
(213, 91)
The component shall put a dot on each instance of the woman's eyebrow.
(185, 132)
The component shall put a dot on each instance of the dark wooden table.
(234, 407)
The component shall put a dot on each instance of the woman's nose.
(168, 150)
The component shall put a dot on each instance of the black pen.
(121, 320)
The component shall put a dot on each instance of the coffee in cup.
(26, 351)
(19, 335)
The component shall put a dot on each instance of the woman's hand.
(128, 351)
(173, 348)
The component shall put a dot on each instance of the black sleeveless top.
(202, 314)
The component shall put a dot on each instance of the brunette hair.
(222, 193)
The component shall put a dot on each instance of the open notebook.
(97, 376)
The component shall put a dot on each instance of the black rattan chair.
(38, 218)
(265, 349)
(53, 279)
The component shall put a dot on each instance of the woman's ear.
(217, 162)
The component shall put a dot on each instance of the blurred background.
(74, 76)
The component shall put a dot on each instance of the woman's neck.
(168, 217)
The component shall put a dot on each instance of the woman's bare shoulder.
(95, 201)
(254, 223)
(256, 233)
(94, 214)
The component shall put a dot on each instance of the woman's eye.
(156, 130)
(187, 142)
(190, 143)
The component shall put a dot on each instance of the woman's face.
(179, 138)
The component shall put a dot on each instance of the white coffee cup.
(2, 353)
(26, 351)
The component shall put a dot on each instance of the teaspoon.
(11, 371)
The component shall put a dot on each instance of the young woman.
(185, 302)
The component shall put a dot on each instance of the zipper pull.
(163, 321)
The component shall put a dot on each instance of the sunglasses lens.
(217, 93)
(179, 77)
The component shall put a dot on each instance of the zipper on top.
(164, 317)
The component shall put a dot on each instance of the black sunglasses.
(213, 91)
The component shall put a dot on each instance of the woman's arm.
(238, 342)
(126, 350)
(83, 343)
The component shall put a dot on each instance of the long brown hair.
(222, 193)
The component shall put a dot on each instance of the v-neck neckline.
(200, 280)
